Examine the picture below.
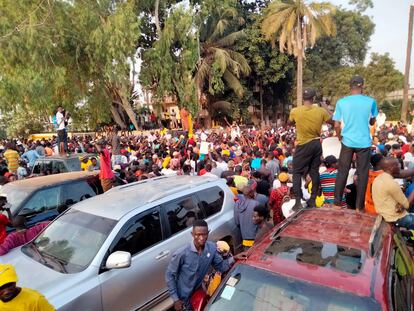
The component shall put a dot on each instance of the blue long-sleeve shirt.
(243, 216)
(187, 269)
(31, 156)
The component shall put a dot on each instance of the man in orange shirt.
(376, 162)
(372, 174)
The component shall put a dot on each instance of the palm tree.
(297, 25)
(217, 58)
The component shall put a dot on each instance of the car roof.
(62, 158)
(49, 180)
(121, 200)
(336, 227)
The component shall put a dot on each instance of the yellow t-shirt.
(27, 300)
(309, 121)
(12, 157)
(84, 166)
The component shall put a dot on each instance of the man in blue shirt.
(190, 264)
(30, 157)
(357, 112)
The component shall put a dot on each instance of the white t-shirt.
(60, 119)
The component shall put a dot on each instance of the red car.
(322, 259)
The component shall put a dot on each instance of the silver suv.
(111, 252)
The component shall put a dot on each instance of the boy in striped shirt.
(328, 179)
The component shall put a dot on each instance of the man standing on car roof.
(189, 265)
(307, 157)
(105, 175)
(356, 113)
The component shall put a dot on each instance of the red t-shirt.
(4, 221)
(106, 169)
(405, 148)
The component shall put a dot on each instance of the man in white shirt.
(61, 130)
(381, 118)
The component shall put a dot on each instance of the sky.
(391, 30)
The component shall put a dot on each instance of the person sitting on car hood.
(190, 264)
(21, 236)
(16, 298)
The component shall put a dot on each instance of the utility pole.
(404, 107)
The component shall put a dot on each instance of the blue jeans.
(407, 221)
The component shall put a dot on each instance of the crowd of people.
(266, 169)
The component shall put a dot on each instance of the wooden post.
(404, 107)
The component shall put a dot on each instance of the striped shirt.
(12, 158)
(328, 179)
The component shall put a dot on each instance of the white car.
(110, 252)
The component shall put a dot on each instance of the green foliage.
(349, 47)
(168, 66)
(382, 77)
(60, 52)
(362, 5)
(392, 109)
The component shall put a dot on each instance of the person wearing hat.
(14, 298)
(328, 178)
(277, 197)
(307, 157)
(105, 174)
(356, 112)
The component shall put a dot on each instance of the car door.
(41, 206)
(400, 276)
(131, 288)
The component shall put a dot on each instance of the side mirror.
(118, 260)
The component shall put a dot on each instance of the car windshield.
(251, 289)
(323, 254)
(73, 165)
(71, 242)
(15, 195)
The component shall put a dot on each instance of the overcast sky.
(391, 30)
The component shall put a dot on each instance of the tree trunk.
(117, 117)
(404, 107)
(157, 17)
(299, 80)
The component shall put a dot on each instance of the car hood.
(35, 275)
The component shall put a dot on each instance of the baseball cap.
(7, 274)
(309, 93)
(283, 177)
(357, 81)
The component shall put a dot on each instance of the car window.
(71, 242)
(59, 167)
(36, 168)
(76, 191)
(182, 213)
(140, 233)
(211, 200)
(73, 164)
(41, 201)
(400, 277)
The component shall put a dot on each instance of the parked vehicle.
(56, 165)
(322, 259)
(111, 251)
(38, 199)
